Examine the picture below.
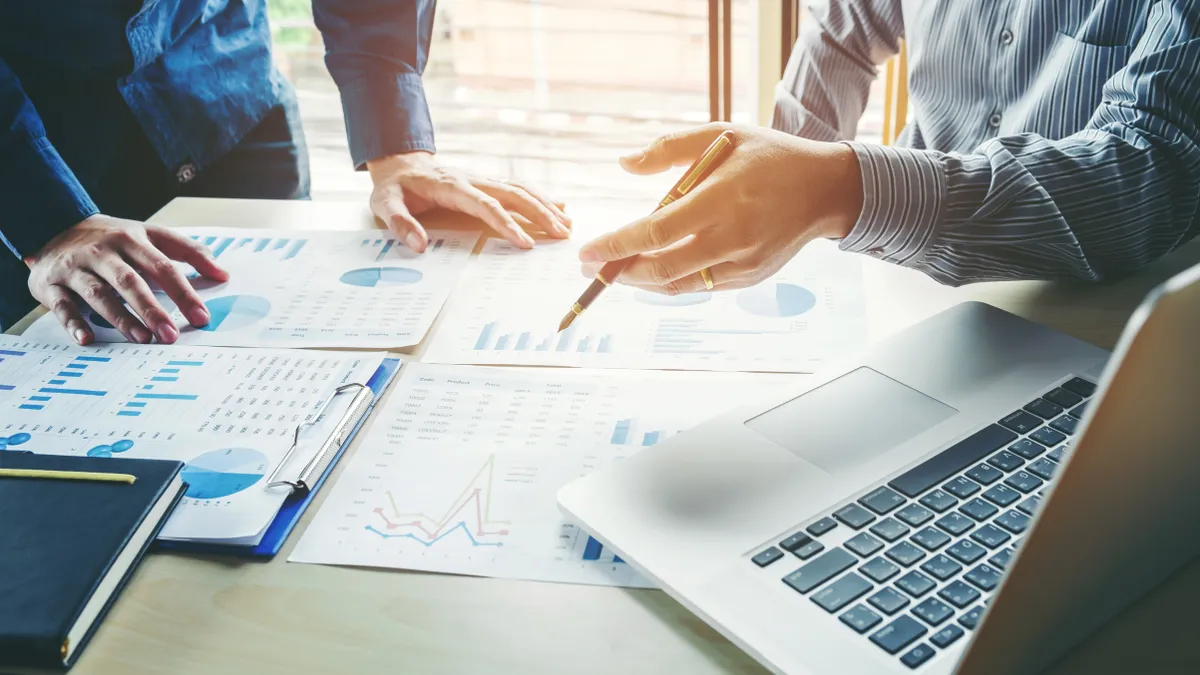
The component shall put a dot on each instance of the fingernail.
(199, 317)
(81, 336)
(167, 334)
(413, 241)
(527, 240)
(141, 335)
(634, 157)
(562, 229)
(588, 255)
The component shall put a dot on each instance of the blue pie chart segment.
(681, 300)
(776, 300)
(371, 277)
(231, 312)
(221, 473)
(19, 439)
(101, 451)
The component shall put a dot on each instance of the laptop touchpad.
(849, 421)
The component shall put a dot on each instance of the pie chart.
(221, 473)
(681, 300)
(372, 277)
(231, 312)
(776, 300)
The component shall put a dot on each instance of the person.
(111, 108)
(1049, 139)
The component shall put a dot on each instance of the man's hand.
(102, 261)
(771, 196)
(412, 183)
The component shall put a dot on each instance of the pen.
(698, 171)
(69, 475)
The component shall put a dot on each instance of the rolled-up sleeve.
(376, 51)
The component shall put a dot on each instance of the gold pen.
(712, 157)
(96, 476)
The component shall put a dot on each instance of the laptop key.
(1043, 468)
(863, 544)
(941, 567)
(991, 536)
(1077, 411)
(1029, 506)
(888, 601)
(914, 514)
(905, 553)
(1062, 397)
(1021, 422)
(1023, 481)
(816, 572)
(917, 656)
(957, 457)
(959, 594)
(979, 509)
(889, 529)
(854, 516)
(1002, 558)
(961, 487)
(808, 550)
(898, 634)
(931, 539)
(985, 577)
(955, 523)
(1057, 453)
(881, 500)
(1080, 386)
(946, 636)
(915, 584)
(879, 570)
(1006, 461)
(860, 618)
(938, 501)
(842, 592)
(1001, 495)
(1043, 408)
(1013, 521)
(932, 611)
(970, 618)
(795, 541)
(1027, 448)
(767, 557)
(1048, 437)
(966, 551)
(821, 526)
(985, 474)
(1065, 424)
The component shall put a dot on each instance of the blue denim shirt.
(196, 74)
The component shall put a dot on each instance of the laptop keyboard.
(928, 548)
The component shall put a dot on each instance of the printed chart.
(460, 470)
(809, 312)
(321, 289)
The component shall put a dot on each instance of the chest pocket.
(1068, 88)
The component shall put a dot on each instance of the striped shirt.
(1046, 139)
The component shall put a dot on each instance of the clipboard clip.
(363, 396)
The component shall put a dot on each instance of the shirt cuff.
(904, 196)
(386, 115)
(40, 197)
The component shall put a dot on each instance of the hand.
(412, 183)
(101, 260)
(773, 194)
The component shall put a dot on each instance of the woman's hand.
(773, 194)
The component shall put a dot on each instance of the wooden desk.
(187, 614)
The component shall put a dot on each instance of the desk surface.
(188, 614)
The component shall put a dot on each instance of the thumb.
(678, 149)
(396, 216)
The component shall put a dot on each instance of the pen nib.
(567, 321)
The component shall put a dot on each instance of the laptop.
(976, 494)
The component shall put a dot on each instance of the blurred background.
(551, 92)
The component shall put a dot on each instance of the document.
(361, 289)
(229, 414)
(459, 471)
(512, 301)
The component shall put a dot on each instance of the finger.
(473, 201)
(677, 149)
(178, 247)
(151, 262)
(390, 208)
(660, 268)
(653, 232)
(726, 276)
(556, 207)
(133, 289)
(95, 292)
(517, 200)
(66, 310)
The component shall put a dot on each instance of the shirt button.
(1006, 37)
(186, 173)
(994, 121)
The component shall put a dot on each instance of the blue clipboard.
(296, 504)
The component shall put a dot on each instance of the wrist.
(389, 164)
(843, 195)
